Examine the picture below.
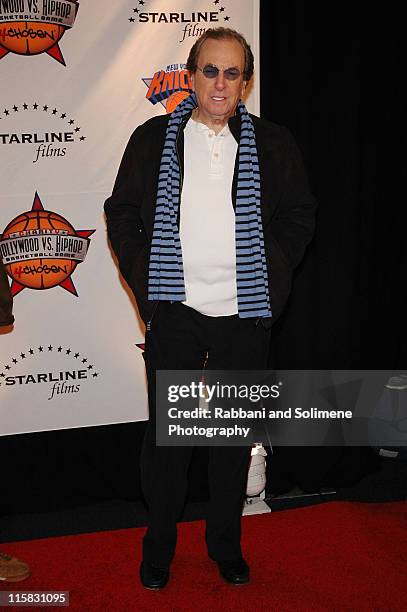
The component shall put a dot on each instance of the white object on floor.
(256, 483)
(256, 479)
(398, 383)
(255, 505)
(386, 452)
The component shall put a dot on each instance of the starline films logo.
(41, 249)
(169, 86)
(32, 27)
(68, 372)
(189, 24)
(54, 135)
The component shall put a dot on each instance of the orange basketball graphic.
(38, 30)
(41, 249)
(175, 99)
(42, 273)
(31, 37)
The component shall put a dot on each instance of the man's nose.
(220, 80)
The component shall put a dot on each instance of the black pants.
(179, 339)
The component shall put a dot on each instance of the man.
(11, 569)
(209, 215)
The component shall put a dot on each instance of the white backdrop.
(76, 81)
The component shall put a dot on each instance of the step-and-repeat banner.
(77, 78)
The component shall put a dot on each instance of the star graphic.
(25, 106)
(7, 367)
(131, 19)
(95, 374)
(6, 112)
(15, 108)
(68, 352)
(141, 2)
(35, 106)
(77, 129)
(22, 355)
(56, 53)
(14, 360)
(82, 138)
(55, 111)
(40, 348)
(226, 18)
(31, 351)
(76, 355)
(71, 121)
(59, 349)
(63, 115)
(90, 367)
(45, 108)
(216, 1)
(50, 348)
(222, 8)
(84, 360)
(2, 375)
(135, 10)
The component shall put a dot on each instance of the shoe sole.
(16, 578)
(154, 588)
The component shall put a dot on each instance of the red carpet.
(333, 556)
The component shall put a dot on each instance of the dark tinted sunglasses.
(211, 72)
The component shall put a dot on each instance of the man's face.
(218, 97)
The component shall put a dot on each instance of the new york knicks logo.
(31, 27)
(41, 249)
(169, 86)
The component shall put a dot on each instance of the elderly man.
(209, 215)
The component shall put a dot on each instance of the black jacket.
(288, 208)
(6, 302)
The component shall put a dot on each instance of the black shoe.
(234, 572)
(153, 577)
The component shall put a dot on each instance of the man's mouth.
(218, 98)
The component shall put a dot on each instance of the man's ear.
(244, 87)
(192, 78)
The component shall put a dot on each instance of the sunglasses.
(211, 72)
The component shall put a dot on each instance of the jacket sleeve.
(294, 223)
(6, 301)
(124, 226)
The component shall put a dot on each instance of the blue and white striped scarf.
(166, 274)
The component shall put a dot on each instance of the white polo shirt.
(207, 220)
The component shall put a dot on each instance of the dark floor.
(387, 484)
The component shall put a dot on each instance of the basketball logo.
(31, 38)
(175, 99)
(42, 30)
(41, 249)
(169, 86)
(41, 220)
